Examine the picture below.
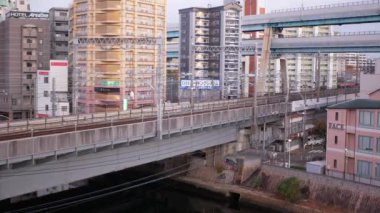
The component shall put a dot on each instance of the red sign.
(43, 73)
(59, 64)
(42, 115)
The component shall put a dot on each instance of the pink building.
(353, 140)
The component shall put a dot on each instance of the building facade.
(105, 78)
(24, 49)
(353, 140)
(52, 90)
(59, 26)
(212, 75)
(15, 5)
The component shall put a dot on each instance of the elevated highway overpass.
(331, 14)
(361, 42)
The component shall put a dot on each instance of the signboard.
(59, 71)
(336, 126)
(125, 104)
(201, 84)
(27, 15)
(110, 83)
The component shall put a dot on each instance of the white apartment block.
(51, 90)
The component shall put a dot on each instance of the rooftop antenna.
(209, 5)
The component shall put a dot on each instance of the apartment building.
(59, 26)
(24, 49)
(353, 140)
(369, 82)
(211, 75)
(106, 78)
(15, 5)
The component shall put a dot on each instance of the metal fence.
(346, 4)
(354, 177)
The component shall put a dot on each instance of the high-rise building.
(104, 78)
(15, 5)
(24, 49)
(59, 26)
(213, 75)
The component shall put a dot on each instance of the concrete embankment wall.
(352, 196)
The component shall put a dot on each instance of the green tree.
(290, 189)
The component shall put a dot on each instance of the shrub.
(290, 189)
(258, 182)
(219, 167)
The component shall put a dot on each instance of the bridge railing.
(346, 4)
(32, 148)
(107, 118)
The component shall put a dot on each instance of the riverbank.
(248, 196)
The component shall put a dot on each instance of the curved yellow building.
(106, 76)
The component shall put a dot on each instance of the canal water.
(166, 196)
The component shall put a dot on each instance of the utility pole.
(159, 76)
(318, 75)
(357, 74)
(53, 98)
(254, 127)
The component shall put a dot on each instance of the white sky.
(175, 5)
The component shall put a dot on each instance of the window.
(336, 139)
(377, 171)
(336, 116)
(14, 101)
(366, 119)
(29, 76)
(46, 107)
(46, 94)
(29, 41)
(27, 88)
(29, 52)
(64, 108)
(378, 145)
(364, 168)
(46, 80)
(335, 163)
(378, 120)
(28, 64)
(365, 143)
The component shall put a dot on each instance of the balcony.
(110, 98)
(349, 153)
(112, 56)
(63, 28)
(108, 30)
(63, 38)
(29, 45)
(29, 57)
(108, 5)
(61, 48)
(109, 17)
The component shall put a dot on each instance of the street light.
(289, 141)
